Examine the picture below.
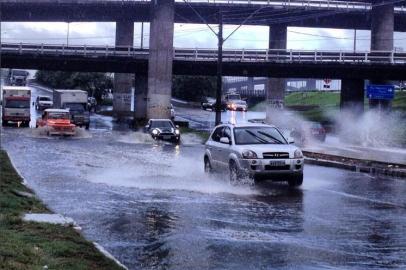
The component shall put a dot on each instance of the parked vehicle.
(163, 129)
(172, 113)
(91, 103)
(307, 131)
(210, 103)
(43, 102)
(18, 77)
(76, 102)
(253, 150)
(56, 122)
(16, 105)
(235, 103)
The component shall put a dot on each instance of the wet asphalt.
(152, 206)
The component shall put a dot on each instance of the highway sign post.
(385, 92)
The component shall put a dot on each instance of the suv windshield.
(45, 99)
(18, 104)
(161, 124)
(258, 135)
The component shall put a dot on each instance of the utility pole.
(67, 36)
(219, 69)
(355, 40)
(142, 35)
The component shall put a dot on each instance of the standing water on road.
(152, 207)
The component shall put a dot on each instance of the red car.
(56, 122)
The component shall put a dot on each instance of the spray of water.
(41, 132)
(372, 129)
(169, 172)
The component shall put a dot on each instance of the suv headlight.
(248, 154)
(298, 154)
(155, 132)
(177, 132)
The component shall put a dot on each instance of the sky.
(189, 36)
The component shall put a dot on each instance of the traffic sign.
(386, 92)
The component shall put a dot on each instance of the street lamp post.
(219, 70)
(67, 35)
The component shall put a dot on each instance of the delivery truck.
(76, 102)
(16, 105)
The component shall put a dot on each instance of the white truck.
(18, 77)
(16, 105)
(76, 102)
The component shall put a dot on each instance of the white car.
(43, 102)
(254, 150)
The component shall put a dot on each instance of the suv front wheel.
(234, 173)
(296, 180)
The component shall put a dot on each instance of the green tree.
(193, 88)
(95, 83)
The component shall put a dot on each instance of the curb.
(377, 171)
(74, 225)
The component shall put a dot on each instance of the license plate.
(167, 137)
(277, 163)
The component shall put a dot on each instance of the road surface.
(152, 206)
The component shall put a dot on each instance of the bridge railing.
(329, 4)
(229, 55)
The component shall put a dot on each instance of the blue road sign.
(386, 92)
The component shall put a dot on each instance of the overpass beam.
(275, 87)
(123, 82)
(160, 59)
(382, 30)
(352, 96)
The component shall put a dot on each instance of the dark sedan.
(163, 129)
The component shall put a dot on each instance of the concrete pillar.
(275, 88)
(123, 82)
(160, 59)
(141, 91)
(382, 29)
(311, 84)
(352, 95)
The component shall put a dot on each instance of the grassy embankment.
(30, 245)
(318, 106)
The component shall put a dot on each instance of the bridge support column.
(275, 88)
(141, 91)
(382, 29)
(123, 82)
(352, 96)
(160, 59)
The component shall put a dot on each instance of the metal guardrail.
(196, 55)
(325, 4)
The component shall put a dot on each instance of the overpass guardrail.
(325, 4)
(196, 55)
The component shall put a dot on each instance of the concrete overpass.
(383, 17)
(300, 13)
(279, 63)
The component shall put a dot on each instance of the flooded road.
(152, 206)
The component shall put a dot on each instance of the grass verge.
(30, 245)
(204, 135)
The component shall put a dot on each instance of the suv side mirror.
(291, 140)
(225, 140)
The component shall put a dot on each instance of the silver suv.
(253, 150)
